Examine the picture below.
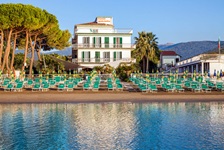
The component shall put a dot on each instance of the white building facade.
(209, 63)
(97, 43)
(168, 59)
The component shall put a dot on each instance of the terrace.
(102, 45)
(103, 31)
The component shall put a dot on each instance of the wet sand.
(105, 96)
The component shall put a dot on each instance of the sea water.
(112, 126)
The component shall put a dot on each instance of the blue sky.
(172, 21)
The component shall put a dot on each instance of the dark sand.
(105, 96)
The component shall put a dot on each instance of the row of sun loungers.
(93, 83)
(180, 85)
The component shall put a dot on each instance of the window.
(117, 42)
(106, 41)
(97, 56)
(106, 56)
(97, 42)
(86, 42)
(117, 56)
(86, 56)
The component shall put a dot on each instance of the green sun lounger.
(95, 86)
(119, 87)
(61, 87)
(196, 88)
(205, 88)
(8, 88)
(153, 88)
(179, 88)
(70, 87)
(143, 88)
(110, 87)
(19, 87)
(86, 86)
(45, 87)
(36, 87)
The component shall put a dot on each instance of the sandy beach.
(104, 96)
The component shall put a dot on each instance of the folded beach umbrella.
(221, 73)
(214, 73)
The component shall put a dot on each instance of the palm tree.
(146, 48)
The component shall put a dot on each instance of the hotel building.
(97, 43)
(202, 63)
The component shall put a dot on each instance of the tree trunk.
(13, 52)
(25, 51)
(7, 51)
(32, 43)
(38, 54)
(147, 65)
(1, 46)
(143, 64)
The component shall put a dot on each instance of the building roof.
(95, 23)
(168, 53)
(68, 65)
(102, 21)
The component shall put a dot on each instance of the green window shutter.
(106, 42)
(114, 56)
(82, 56)
(100, 41)
(120, 42)
(97, 56)
(94, 40)
(114, 42)
(120, 55)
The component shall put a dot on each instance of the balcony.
(103, 46)
(102, 30)
(100, 60)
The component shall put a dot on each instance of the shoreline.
(100, 97)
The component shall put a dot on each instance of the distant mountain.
(161, 46)
(66, 52)
(190, 49)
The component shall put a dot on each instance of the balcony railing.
(103, 45)
(100, 60)
(102, 30)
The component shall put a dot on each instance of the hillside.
(66, 52)
(190, 49)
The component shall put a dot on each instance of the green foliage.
(123, 71)
(146, 47)
(105, 69)
(51, 65)
(59, 56)
(99, 69)
(41, 27)
(18, 61)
